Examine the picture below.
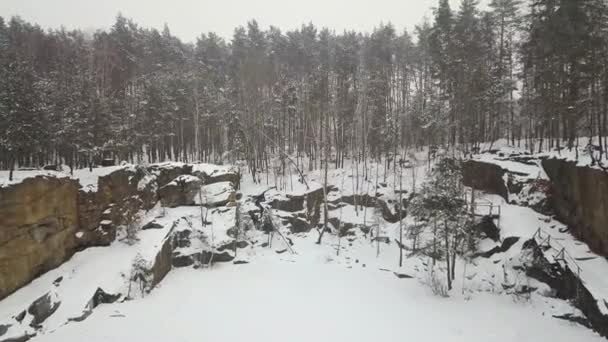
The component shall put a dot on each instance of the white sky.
(187, 19)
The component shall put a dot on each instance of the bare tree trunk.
(400, 215)
(447, 255)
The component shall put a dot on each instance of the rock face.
(513, 187)
(216, 194)
(167, 172)
(45, 220)
(391, 216)
(310, 201)
(181, 191)
(487, 227)
(162, 263)
(581, 200)
(567, 286)
(232, 177)
(121, 194)
(38, 222)
(485, 176)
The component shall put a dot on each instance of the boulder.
(216, 195)
(42, 308)
(4, 328)
(506, 244)
(180, 260)
(231, 246)
(217, 257)
(310, 201)
(295, 223)
(167, 172)
(211, 174)
(102, 297)
(183, 190)
(152, 225)
(487, 227)
(346, 228)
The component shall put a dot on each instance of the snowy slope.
(277, 301)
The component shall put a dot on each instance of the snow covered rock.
(210, 174)
(183, 190)
(309, 201)
(216, 195)
(536, 194)
(152, 225)
(487, 227)
(294, 223)
(567, 284)
(42, 308)
(167, 172)
(120, 195)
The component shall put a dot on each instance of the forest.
(533, 72)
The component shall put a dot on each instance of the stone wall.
(581, 201)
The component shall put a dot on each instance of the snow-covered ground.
(341, 290)
(280, 301)
(344, 289)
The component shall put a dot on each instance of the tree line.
(534, 72)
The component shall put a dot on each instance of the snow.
(97, 267)
(531, 171)
(524, 222)
(580, 155)
(145, 181)
(19, 176)
(278, 301)
(215, 193)
(88, 179)
(212, 169)
(341, 290)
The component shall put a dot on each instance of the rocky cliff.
(45, 220)
(38, 226)
(485, 176)
(581, 201)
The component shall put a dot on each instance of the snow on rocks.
(180, 191)
(210, 173)
(216, 194)
(558, 247)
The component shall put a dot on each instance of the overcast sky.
(188, 18)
